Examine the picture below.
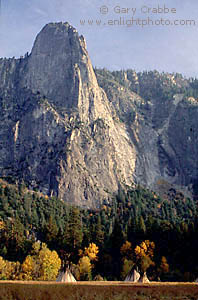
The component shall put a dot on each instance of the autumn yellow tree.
(85, 268)
(91, 252)
(86, 262)
(2, 268)
(144, 255)
(28, 269)
(146, 248)
(2, 224)
(9, 270)
(50, 264)
(43, 264)
(13, 270)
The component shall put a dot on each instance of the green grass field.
(97, 291)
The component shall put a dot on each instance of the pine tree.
(51, 232)
(75, 233)
(99, 233)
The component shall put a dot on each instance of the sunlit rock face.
(57, 131)
(68, 130)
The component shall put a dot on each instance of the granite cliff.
(81, 134)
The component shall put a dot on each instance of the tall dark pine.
(116, 241)
(75, 233)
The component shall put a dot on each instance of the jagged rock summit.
(81, 134)
(58, 132)
(58, 64)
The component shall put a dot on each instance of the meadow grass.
(97, 291)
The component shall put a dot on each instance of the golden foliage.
(80, 253)
(9, 270)
(85, 267)
(50, 264)
(144, 254)
(2, 225)
(44, 264)
(139, 252)
(92, 252)
(84, 264)
(36, 247)
(87, 256)
(2, 268)
(146, 248)
(28, 268)
(126, 249)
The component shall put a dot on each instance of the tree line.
(138, 228)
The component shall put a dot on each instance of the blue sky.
(162, 47)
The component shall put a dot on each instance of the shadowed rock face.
(66, 133)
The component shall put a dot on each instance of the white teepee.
(144, 278)
(132, 276)
(66, 276)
